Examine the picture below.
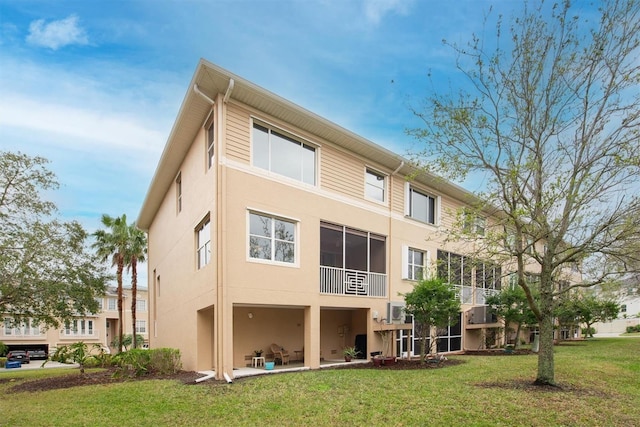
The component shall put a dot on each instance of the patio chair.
(280, 353)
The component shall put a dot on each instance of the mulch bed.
(75, 379)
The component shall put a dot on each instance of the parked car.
(38, 354)
(18, 356)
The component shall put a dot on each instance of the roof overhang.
(213, 80)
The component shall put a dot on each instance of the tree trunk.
(545, 355)
(515, 344)
(134, 292)
(120, 317)
(423, 344)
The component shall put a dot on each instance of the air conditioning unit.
(395, 312)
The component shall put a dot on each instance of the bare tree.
(550, 118)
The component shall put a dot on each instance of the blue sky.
(95, 86)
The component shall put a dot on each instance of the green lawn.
(601, 380)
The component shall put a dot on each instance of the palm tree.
(136, 252)
(112, 244)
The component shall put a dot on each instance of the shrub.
(632, 329)
(3, 362)
(165, 360)
(132, 363)
(587, 332)
(137, 362)
(3, 349)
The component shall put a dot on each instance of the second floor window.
(141, 326)
(352, 249)
(141, 305)
(111, 304)
(283, 155)
(416, 263)
(272, 238)
(210, 144)
(179, 193)
(203, 237)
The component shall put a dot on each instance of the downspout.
(391, 210)
(197, 90)
(227, 94)
(390, 226)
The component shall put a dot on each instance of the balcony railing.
(483, 294)
(87, 333)
(464, 293)
(342, 281)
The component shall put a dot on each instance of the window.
(488, 276)
(99, 301)
(111, 304)
(374, 186)
(474, 224)
(454, 269)
(421, 206)
(179, 192)
(141, 305)
(271, 238)
(414, 263)
(203, 238)
(141, 326)
(210, 144)
(8, 329)
(623, 308)
(283, 155)
(344, 247)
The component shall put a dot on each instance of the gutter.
(197, 90)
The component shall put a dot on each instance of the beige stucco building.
(270, 224)
(100, 328)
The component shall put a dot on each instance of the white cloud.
(57, 34)
(376, 9)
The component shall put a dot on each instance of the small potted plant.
(350, 353)
(258, 353)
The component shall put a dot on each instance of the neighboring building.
(270, 224)
(628, 296)
(100, 328)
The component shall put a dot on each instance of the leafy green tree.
(432, 303)
(550, 120)
(112, 244)
(47, 276)
(591, 309)
(511, 305)
(136, 252)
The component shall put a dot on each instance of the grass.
(600, 380)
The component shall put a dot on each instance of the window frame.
(351, 233)
(204, 227)
(178, 183)
(302, 143)
(141, 305)
(139, 329)
(409, 205)
(209, 139)
(272, 238)
(370, 172)
(408, 266)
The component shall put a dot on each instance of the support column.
(312, 336)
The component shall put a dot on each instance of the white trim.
(296, 254)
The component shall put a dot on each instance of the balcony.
(342, 281)
(482, 294)
(75, 334)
